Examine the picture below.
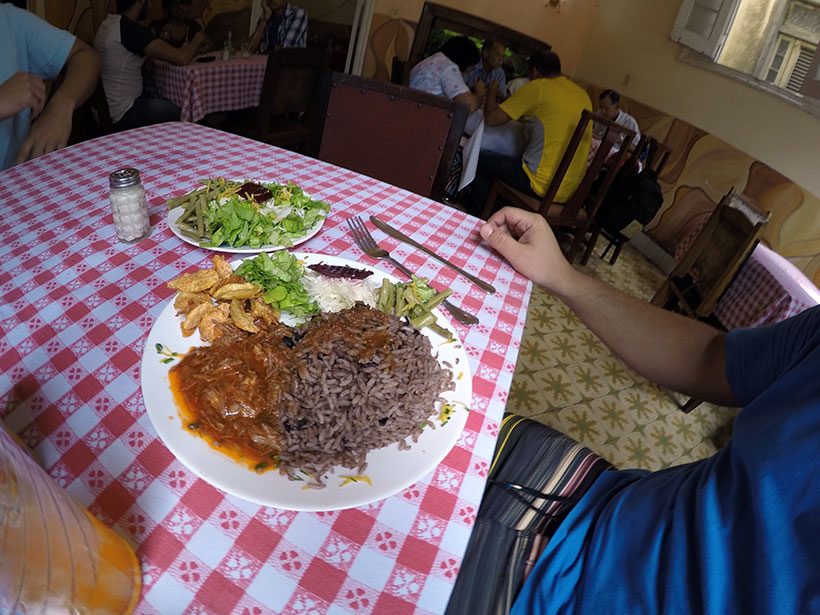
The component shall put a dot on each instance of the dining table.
(77, 309)
(768, 288)
(206, 85)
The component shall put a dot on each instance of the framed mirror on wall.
(437, 23)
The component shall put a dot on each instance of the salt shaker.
(128, 205)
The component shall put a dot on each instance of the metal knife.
(381, 224)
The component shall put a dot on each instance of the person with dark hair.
(442, 74)
(34, 51)
(124, 44)
(176, 28)
(489, 68)
(550, 105)
(609, 104)
(281, 25)
(462, 51)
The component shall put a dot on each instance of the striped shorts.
(536, 476)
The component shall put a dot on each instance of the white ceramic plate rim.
(174, 214)
(389, 469)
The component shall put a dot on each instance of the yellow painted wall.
(564, 27)
(630, 38)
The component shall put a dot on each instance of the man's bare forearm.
(82, 70)
(677, 352)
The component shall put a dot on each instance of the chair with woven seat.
(576, 214)
(707, 268)
(288, 105)
(711, 262)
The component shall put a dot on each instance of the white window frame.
(711, 44)
(703, 51)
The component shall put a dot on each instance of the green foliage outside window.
(515, 65)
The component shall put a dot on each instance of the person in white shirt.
(442, 74)
(609, 104)
(124, 44)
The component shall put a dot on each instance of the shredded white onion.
(334, 294)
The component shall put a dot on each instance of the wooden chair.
(707, 268)
(390, 132)
(578, 212)
(288, 106)
(657, 154)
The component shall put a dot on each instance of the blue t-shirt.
(736, 533)
(479, 72)
(34, 46)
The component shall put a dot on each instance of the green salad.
(280, 275)
(247, 214)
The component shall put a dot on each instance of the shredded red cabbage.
(340, 271)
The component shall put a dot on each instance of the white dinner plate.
(389, 469)
(174, 214)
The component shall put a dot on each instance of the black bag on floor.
(633, 195)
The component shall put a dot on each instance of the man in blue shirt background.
(738, 532)
(488, 69)
(34, 51)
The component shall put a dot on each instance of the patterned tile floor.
(567, 379)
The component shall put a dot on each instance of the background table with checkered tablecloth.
(200, 88)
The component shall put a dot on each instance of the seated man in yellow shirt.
(550, 105)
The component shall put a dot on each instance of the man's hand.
(53, 126)
(676, 352)
(480, 89)
(22, 91)
(525, 239)
(50, 132)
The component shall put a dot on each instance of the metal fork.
(369, 246)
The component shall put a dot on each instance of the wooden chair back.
(714, 258)
(390, 132)
(580, 209)
(599, 174)
(290, 89)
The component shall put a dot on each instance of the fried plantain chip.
(208, 327)
(236, 290)
(221, 266)
(194, 317)
(263, 310)
(187, 301)
(195, 282)
(241, 318)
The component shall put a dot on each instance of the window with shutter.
(801, 67)
(811, 83)
(771, 43)
(703, 25)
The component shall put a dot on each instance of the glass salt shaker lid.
(124, 178)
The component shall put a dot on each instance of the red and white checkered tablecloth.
(763, 294)
(200, 88)
(76, 309)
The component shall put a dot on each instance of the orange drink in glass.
(55, 556)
